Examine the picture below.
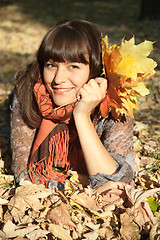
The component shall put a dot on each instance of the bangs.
(72, 41)
(66, 45)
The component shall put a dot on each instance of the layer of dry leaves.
(33, 212)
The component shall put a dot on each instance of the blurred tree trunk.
(150, 9)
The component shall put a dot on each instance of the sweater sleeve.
(21, 141)
(117, 137)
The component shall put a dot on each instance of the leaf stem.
(66, 104)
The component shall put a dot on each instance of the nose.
(60, 75)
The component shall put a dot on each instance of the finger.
(98, 87)
(98, 82)
(103, 84)
(93, 82)
(81, 93)
(92, 85)
(92, 91)
(85, 93)
(101, 81)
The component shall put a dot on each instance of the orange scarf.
(56, 144)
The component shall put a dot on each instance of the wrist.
(82, 122)
(81, 117)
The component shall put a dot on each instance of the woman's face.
(64, 79)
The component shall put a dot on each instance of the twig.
(67, 104)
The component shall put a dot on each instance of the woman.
(56, 123)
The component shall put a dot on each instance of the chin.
(63, 99)
(61, 102)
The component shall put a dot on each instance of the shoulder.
(15, 105)
(15, 100)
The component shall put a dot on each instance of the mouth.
(62, 90)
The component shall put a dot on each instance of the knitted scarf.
(56, 143)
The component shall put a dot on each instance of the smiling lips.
(62, 90)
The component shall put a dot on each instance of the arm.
(117, 137)
(97, 158)
(109, 151)
(21, 141)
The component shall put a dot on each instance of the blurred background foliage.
(23, 24)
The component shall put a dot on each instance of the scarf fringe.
(58, 154)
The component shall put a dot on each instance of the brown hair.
(69, 40)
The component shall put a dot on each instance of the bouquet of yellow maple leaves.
(125, 67)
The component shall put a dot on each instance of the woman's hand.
(90, 95)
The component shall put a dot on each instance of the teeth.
(63, 90)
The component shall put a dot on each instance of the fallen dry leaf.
(111, 192)
(2, 235)
(3, 201)
(140, 211)
(155, 232)
(60, 215)
(129, 229)
(27, 196)
(142, 215)
(136, 196)
(86, 201)
(107, 213)
(140, 129)
(11, 230)
(6, 180)
(59, 232)
(37, 234)
(106, 233)
(91, 235)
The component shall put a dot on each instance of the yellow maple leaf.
(141, 89)
(125, 67)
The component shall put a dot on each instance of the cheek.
(49, 89)
(46, 82)
(79, 83)
(47, 76)
(83, 79)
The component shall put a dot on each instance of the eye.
(50, 65)
(74, 66)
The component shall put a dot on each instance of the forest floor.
(22, 26)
